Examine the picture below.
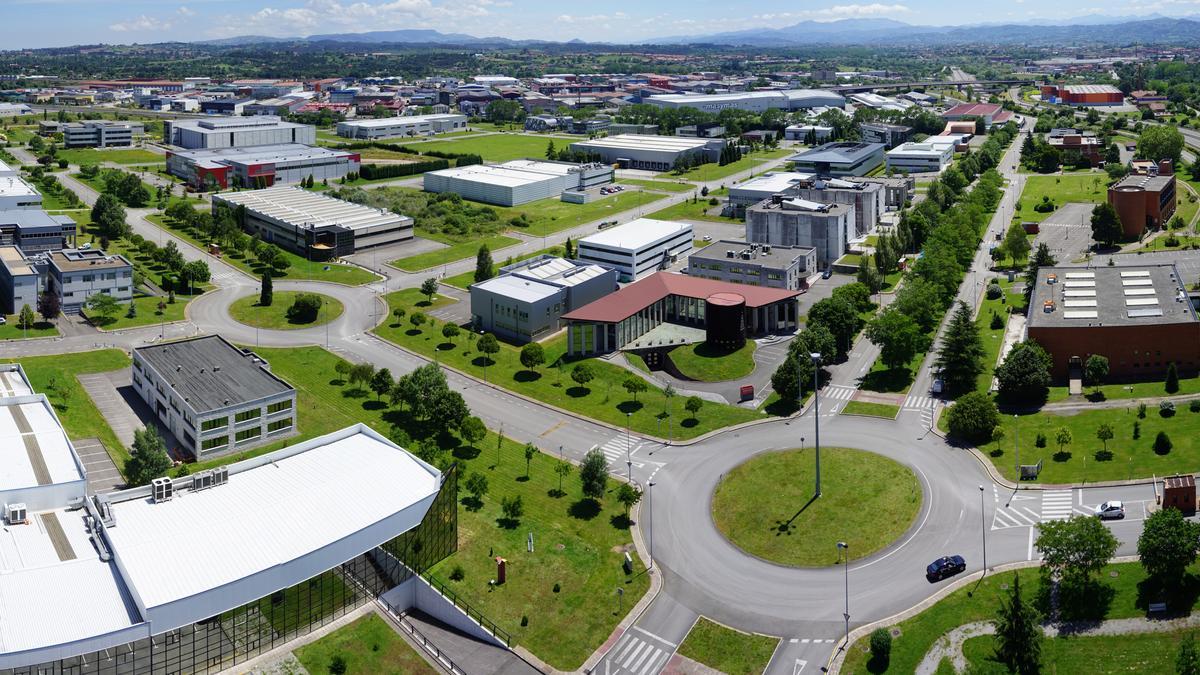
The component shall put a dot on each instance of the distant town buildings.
(398, 127)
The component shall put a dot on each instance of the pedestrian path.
(1028, 508)
(914, 402)
(637, 652)
(834, 397)
(615, 452)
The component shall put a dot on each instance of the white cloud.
(142, 23)
(184, 10)
(363, 15)
(591, 19)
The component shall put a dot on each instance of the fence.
(477, 616)
(420, 639)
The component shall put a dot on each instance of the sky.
(53, 23)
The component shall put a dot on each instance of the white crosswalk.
(914, 402)
(1057, 504)
(615, 451)
(637, 654)
(1026, 509)
(838, 392)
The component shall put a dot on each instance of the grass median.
(707, 363)
(366, 645)
(728, 650)
(866, 409)
(275, 316)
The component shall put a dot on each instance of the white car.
(1110, 510)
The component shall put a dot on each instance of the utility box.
(501, 570)
(1179, 492)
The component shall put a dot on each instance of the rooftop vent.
(15, 514)
(163, 489)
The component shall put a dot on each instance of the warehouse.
(840, 159)
(1144, 202)
(517, 182)
(753, 191)
(16, 192)
(14, 109)
(637, 248)
(395, 127)
(927, 157)
(779, 221)
(35, 231)
(314, 226)
(753, 101)
(526, 300)
(264, 165)
(236, 132)
(1082, 94)
(786, 267)
(1139, 317)
(653, 153)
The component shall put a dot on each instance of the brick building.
(1144, 201)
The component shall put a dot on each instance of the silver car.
(1110, 510)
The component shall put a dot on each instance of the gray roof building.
(210, 373)
(755, 264)
(841, 158)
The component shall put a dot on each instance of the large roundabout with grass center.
(247, 311)
(765, 507)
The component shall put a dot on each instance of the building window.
(248, 415)
(279, 425)
(279, 406)
(214, 442)
(215, 423)
(247, 434)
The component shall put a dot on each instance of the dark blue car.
(946, 566)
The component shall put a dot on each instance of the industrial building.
(20, 282)
(526, 300)
(666, 310)
(1139, 317)
(748, 193)
(518, 182)
(236, 132)
(395, 127)
(15, 109)
(637, 248)
(260, 165)
(1144, 202)
(35, 231)
(870, 197)
(800, 133)
(100, 134)
(214, 397)
(313, 225)
(741, 262)
(780, 221)
(16, 192)
(890, 135)
(924, 157)
(840, 159)
(872, 100)
(653, 153)
(1082, 94)
(76, 275)
(753, 101)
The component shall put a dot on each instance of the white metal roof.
(30, 439)
(408, 119)
(15, 186)
(636, 233)
(518, 288)
(13, 382)
(772, 182)
(560, 272)
(300, 207)
(640, 142)
(509, 174)
(266, 516)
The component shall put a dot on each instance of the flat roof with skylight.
(1109, 296)
(302, 208)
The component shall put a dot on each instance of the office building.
(313, 225)
(618, 128)
(518, 182)
(274, 106)
(1143, 202)
(396, 127)
(926, 157)
(1076, 146)
(990, 113)
(236, 132)
(704, 130)
(35, 231)
(805, 133)
(16, 192)
(779, 221)
(637, 248)
(100, 134)
(14, 109)
(753, 101)
(213, 396)
(260, 165)
(890, 135)
(865, 195)
(1139, 317)
(741, 262)
(748, 193)
(76, 275)
(653, 153)
(20, 282)
(232, 107)
(666, 310)
(1082, 94)
(840, 159)
(526, 300)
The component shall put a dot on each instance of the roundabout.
(766, 506)
(276, 316)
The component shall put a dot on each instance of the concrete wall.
(416, 593)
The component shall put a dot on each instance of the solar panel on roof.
(1081, 275)
(1145, 312)
(1079, 303)
(1080, 314)
(1137, 282)
(1079, 283)
(1080, 293)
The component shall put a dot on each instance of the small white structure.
(637, 248)
(395, 127)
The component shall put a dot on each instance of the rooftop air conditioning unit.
(766, 248)
(220, 475)
(15, 514)
(202, 480)
(729, 253)
(163, 489)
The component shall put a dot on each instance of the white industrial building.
(842, 158)
(653, 153)
(14, 109)
(517, 182)
(637, 248)
(925, 157)
(754, 101)
(762, 187)
(313, 225)
(16, 192)
(527, 300)
(236, 132)
(20, 282)
(870, 100)
(799, 132)
(394, 127)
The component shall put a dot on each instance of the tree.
(417, 319)
(868, 276)
(483, 264)
(1168, 545)
(1016, 244)
(1024, 376)
(361, 374)
(512, 507)
(1105, 434)
(477, 485)
(1041, 258)
(1018, 636)
(1171, 385)
(342, 368)
(381, 382)
(148, 457)
(195, 272)
(1075, 549)
(108, 217)
(693, 405)
(634, 384)
(551, 153)
(472, 430)
(532, 356)
(103, 304)
(1187, 661)
(266, 295)
(49, 306)
(973, 417)
(1106, 225)
(1160, 141)
(593, 474)
(582, 373)
(1095, 370)
(628, 495)
(960, 359)
(898, 337)
(839, 317)
(428, 288)
(26, 318)
(1062, 437)
(1162, 443)
(487, 345)
(450, 331)
(399, 313)
(304, 308)
(563, 470)
(530, 452)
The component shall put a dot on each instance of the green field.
(444, 256)
(9, 330)
(660, 185)
(1088, 188)
(993, 339)
(712, 171)
(728, 650)
(603, 398)
(1110, 392)
(706, 363)
(496, 147)
(1095, 655)
(467, 278)
(147, 313)
(867, 501)
(247, 311)
(368, 645)
(883, 410)
(697, 210)
(82, 156)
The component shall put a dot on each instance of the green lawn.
(368, 645)
(467, 278)
(496, 147)
(82, 156)
(1110, 392)
(867, 501)
(993, 339)
(696, 210)
(547, 216)
(9, 330)
(97, 184)
(380, 153)
(1061, 190)
(711, 171)
(147, 313)
(728, 650)
(660, 185)
(871, 409)
(74, 407)
(300, 269)
(603, 398)
(891, 380)
(1096, 655)
(443, 256)
(247, 310)
(707, 363)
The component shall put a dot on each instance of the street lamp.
(650, 518)
(628, 450)
(843, 547)
(983, 528)
(816, 361)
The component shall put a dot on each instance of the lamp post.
(628, 450)
(816, 361)
(983, 528)
(650, 518)
(843, 547)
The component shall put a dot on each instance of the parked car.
(1112, 509)
(827, 273)
(708, 237)
(946, 566)
(3, 320)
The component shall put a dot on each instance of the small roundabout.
(765, 506)
(283, 313)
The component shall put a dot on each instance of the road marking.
(799, 667)
(554, 428)
(1030, 544)
(1057, 504)
(656, 637)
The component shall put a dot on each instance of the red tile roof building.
(989, 112)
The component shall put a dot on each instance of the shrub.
(1194, 406)
(1162, 443)
(337, 665)
(1166, 408)
(304, 308)
(1040, 441)
(973, 417)
(457, 574)
(997, 322)
(524, 620)
(881, 645)
(556, 588)
(1141, 411)
(1137, 430)
(994, 291)
(713, 201)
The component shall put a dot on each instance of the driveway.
(1067, 232)
(122, 408)
(102, 474)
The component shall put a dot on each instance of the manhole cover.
(895, 632)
